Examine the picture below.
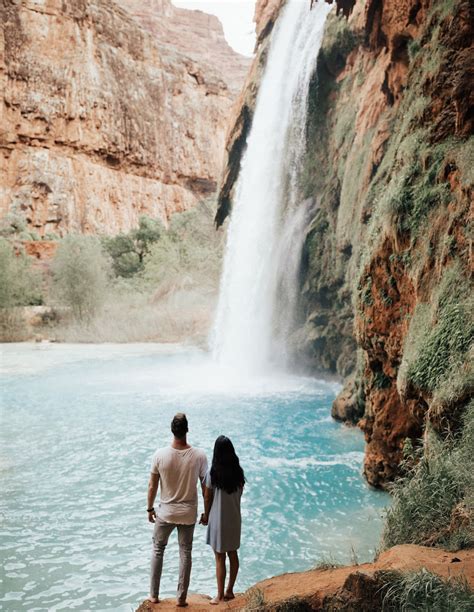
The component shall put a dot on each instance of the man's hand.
(152, 489)
(204, 519)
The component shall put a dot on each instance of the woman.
(223, 489)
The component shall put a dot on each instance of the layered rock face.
(110, 111)
(385, 273)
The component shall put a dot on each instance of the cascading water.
(259, 285)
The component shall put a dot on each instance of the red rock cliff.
(385, 280)
(110, 110)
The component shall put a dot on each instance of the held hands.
(204, 519)
(151, 515)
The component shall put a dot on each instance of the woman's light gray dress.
(224, 523)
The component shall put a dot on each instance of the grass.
(176, 312)
(256, 603)
(416, 189)
(381, 381)
(433, 501)
(365, 290)
(255, 600)
(424, 591)
(439, 339)
(327, 563)
(339, 40)
(453, 390)
(442, 349)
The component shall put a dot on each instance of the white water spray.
(259, 284)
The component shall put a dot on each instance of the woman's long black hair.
(226, 472)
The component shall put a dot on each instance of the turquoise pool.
(79, 424)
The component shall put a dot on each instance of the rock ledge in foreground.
(350, 587)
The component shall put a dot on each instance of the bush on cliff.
(339, 41)
(80, 276)
(437, 359)
(424, 591)
(433, 501)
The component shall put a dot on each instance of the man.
(177, 469)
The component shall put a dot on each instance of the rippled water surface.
(79, 425)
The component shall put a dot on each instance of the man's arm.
(208, 499)
(203, 473)
(152, 490)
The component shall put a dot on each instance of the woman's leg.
(233, 571)
(220, 575)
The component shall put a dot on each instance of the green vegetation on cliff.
(437, 359)
(433, 500)
(386, 261)
(424, 591)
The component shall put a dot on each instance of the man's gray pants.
(161, 534)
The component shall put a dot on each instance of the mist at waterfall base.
(79, 426)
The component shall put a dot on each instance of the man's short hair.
(179, 425)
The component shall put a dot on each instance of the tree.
(20, 283)
(80, 275)
(128, 251)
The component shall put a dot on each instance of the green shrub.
(416, 189)
(463, 155)
(80, 276)
(413, 49)
(20, 283)
(339, 40)
(443, 348)
(424, 591)
(190, 251)
(128, 251)
(432, 501)
(166, 297)
(440, 337)
(12, 224)
(381, 381)
(364, 289)
(454, 389)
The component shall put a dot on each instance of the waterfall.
(259, 285)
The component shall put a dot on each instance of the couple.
(177, 469)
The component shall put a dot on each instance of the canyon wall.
(385, 285)
(110, 110)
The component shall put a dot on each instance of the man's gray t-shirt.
(179, 471)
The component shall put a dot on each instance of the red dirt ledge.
(319, 587)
